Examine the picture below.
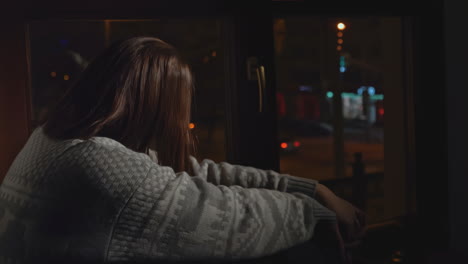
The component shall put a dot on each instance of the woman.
(87, 187)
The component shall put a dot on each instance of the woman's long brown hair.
(137, 92)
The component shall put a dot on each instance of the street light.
(338, 122)
(341, 26)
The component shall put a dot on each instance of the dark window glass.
(60, 51)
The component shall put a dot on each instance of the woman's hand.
(351, 220)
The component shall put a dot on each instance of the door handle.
(261, 86)
(256, 71)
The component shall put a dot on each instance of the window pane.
(60, 51)
(316, 60)
(304, 108)
(365, 78)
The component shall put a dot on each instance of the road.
(314, 159)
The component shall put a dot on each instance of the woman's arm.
(177, 216)
(351, 220)
(249, 177)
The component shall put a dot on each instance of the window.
(60, 51)
(316, 61)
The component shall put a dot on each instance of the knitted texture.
(96, 200)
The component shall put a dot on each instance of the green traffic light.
(342, 61)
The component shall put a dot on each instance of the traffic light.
(340, 26)
(342, 63)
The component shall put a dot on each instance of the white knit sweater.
(98, 200)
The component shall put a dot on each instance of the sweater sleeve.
(180, 217)
(249, 177)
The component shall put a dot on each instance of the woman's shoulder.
(107, 163)
(107, 150)
(101, 155)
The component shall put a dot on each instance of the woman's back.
(96, 200)
(51, 207)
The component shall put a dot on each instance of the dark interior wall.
(456, 50)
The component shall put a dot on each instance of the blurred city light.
(191, 125)
(284, 145)
(330, 94)
(305, 88)
(341, 26)
(63, 42)
(340, 34)
(66, 77)
(371, 91)
(297, 144)
(342, 64)
(53, 74)
(361, 90)
(355, 96)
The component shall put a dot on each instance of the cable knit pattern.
(96, 200)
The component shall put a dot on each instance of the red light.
(381, 111)
(281, 104)
(297, 144)
(284, 145)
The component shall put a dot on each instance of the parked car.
(305, 128)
